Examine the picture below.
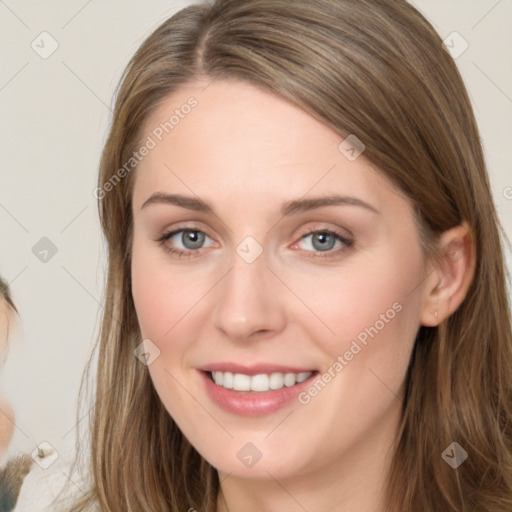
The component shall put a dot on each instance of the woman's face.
(299, 258)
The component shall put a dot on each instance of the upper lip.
(253, 369)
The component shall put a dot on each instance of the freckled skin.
(245, 152)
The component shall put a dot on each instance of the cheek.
(372, 308)
(161, 302)
(367, 299)
(166, 298)
(150, 300)
(153, 293)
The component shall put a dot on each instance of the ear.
(451, 276)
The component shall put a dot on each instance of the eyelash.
(347, 243)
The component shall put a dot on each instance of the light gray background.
(54, 114)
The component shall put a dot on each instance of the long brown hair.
(377, 69)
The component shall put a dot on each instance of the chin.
(257, 461)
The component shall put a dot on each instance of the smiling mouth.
(258, 383)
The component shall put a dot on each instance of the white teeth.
(241, 382)
(301, 377)
(228, 380)
(276, 381)
(260, 382)
(289, 379)
(218, 378)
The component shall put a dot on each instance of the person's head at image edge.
(244, 105)
(7, 319)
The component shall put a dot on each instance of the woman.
(306, 305)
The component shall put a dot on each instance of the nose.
(249, 304)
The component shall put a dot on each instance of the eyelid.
(343, 233)
(187, 226)
(326, 227)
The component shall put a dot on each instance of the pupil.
(192, 239)
(322, 238)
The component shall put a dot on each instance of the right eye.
(190, 239)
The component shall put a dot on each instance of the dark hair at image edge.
(375, 69)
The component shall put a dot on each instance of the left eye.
(323, 241)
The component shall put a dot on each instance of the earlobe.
(451, 277)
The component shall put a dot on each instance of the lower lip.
(253, 403)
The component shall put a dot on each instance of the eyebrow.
(288, 208)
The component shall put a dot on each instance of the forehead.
(235, 141)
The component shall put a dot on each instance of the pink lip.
(254, 369)
(251, 403)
